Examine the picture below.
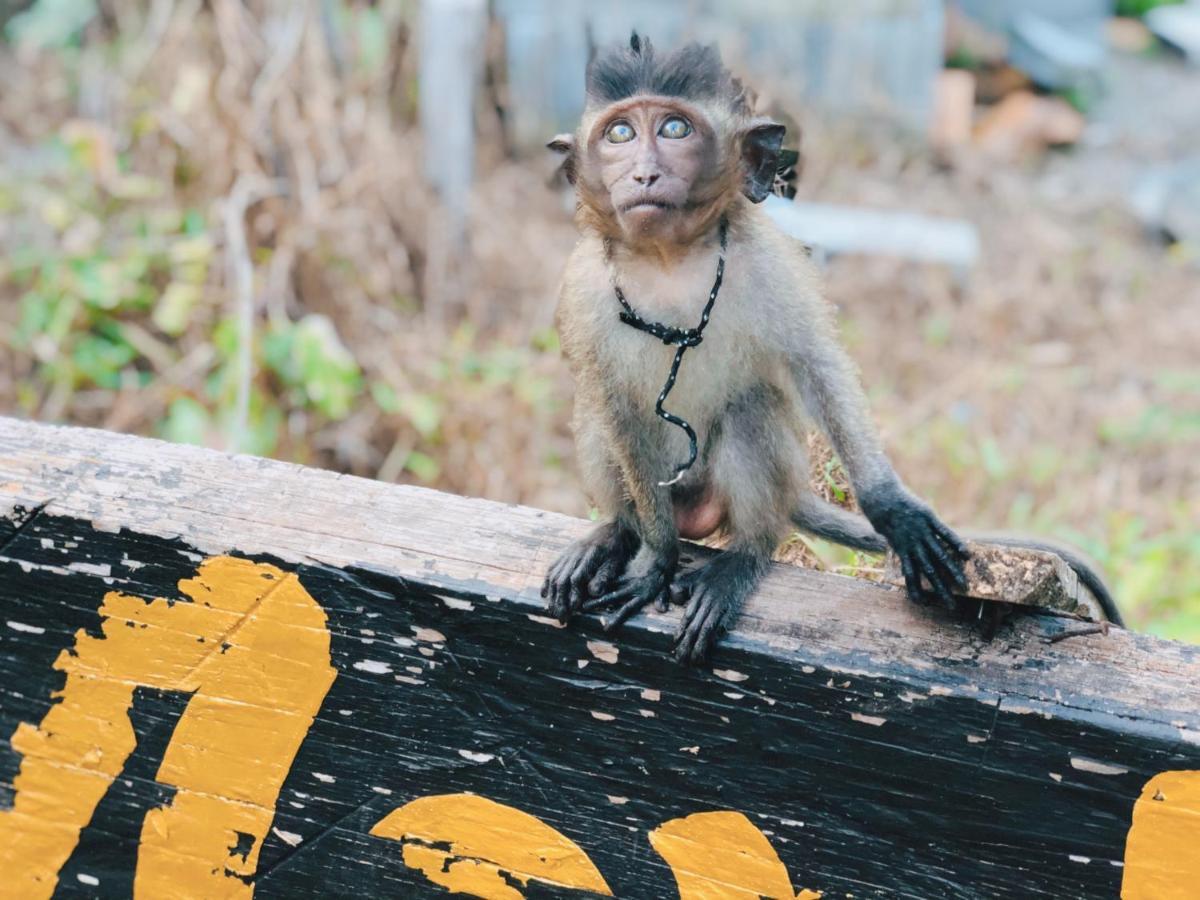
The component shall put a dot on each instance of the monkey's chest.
(697, 389)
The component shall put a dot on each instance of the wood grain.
(882, 749)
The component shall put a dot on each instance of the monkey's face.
(656, 160)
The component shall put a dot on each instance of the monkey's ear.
(761, 145)
(565, 144)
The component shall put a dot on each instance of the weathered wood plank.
(880, 749)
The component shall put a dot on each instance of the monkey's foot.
(634, 592)
(589, 567)
(714, 593)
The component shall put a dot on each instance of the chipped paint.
(375, 667)
(1161, 861)
(28, 629)
(257, 678)
(1083, 764)
(731, 675)
(474, 756)
(288, 837)
(868, 720)
(429, 635)
(473, 845)
(604, 651)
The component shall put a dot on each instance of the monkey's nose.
(646, 179)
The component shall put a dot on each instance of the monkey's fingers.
(631, 607)
(698, 631)
(952, 566)
(952, 540)
(912, 581)
(934, 575)
(606, 576)
(624, 591)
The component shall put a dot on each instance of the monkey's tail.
(849, 529)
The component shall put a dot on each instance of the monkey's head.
(666, 144)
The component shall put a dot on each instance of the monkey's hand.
(714, 593)
(925, 547)
(589, 567)
(649, 581)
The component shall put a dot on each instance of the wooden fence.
(224, 676)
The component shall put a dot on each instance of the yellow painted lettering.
(1162, 852)
(252, 647)
(487, 841)
(723, 856)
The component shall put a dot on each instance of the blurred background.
(327, 231)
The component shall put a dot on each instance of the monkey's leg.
(589, 567)
(759, 466)
(715, 592)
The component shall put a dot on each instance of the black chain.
(682, 338)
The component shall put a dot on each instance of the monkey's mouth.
(646, 203)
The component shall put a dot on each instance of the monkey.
(681, 293)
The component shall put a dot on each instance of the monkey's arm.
(832, 393)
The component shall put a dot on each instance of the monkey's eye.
(620, 133)
(675, 127)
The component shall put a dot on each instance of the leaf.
(423, 411)
(475, 846)
(423, 466)
(385, 397)
(187, 422)
(330, 374)
(100, 359)
(174, 309)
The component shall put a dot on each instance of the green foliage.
(310, 359)
(91, 265)
(1138, 8)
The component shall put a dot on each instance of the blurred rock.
(1178, 26)
(1167, 200)
(953, 109)
(1056, 55)
(1023, 124)
(1129, 35)
(836, 230)
(1059, 43)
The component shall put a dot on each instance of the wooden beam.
(333, 663)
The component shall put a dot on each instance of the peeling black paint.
(906, 808)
